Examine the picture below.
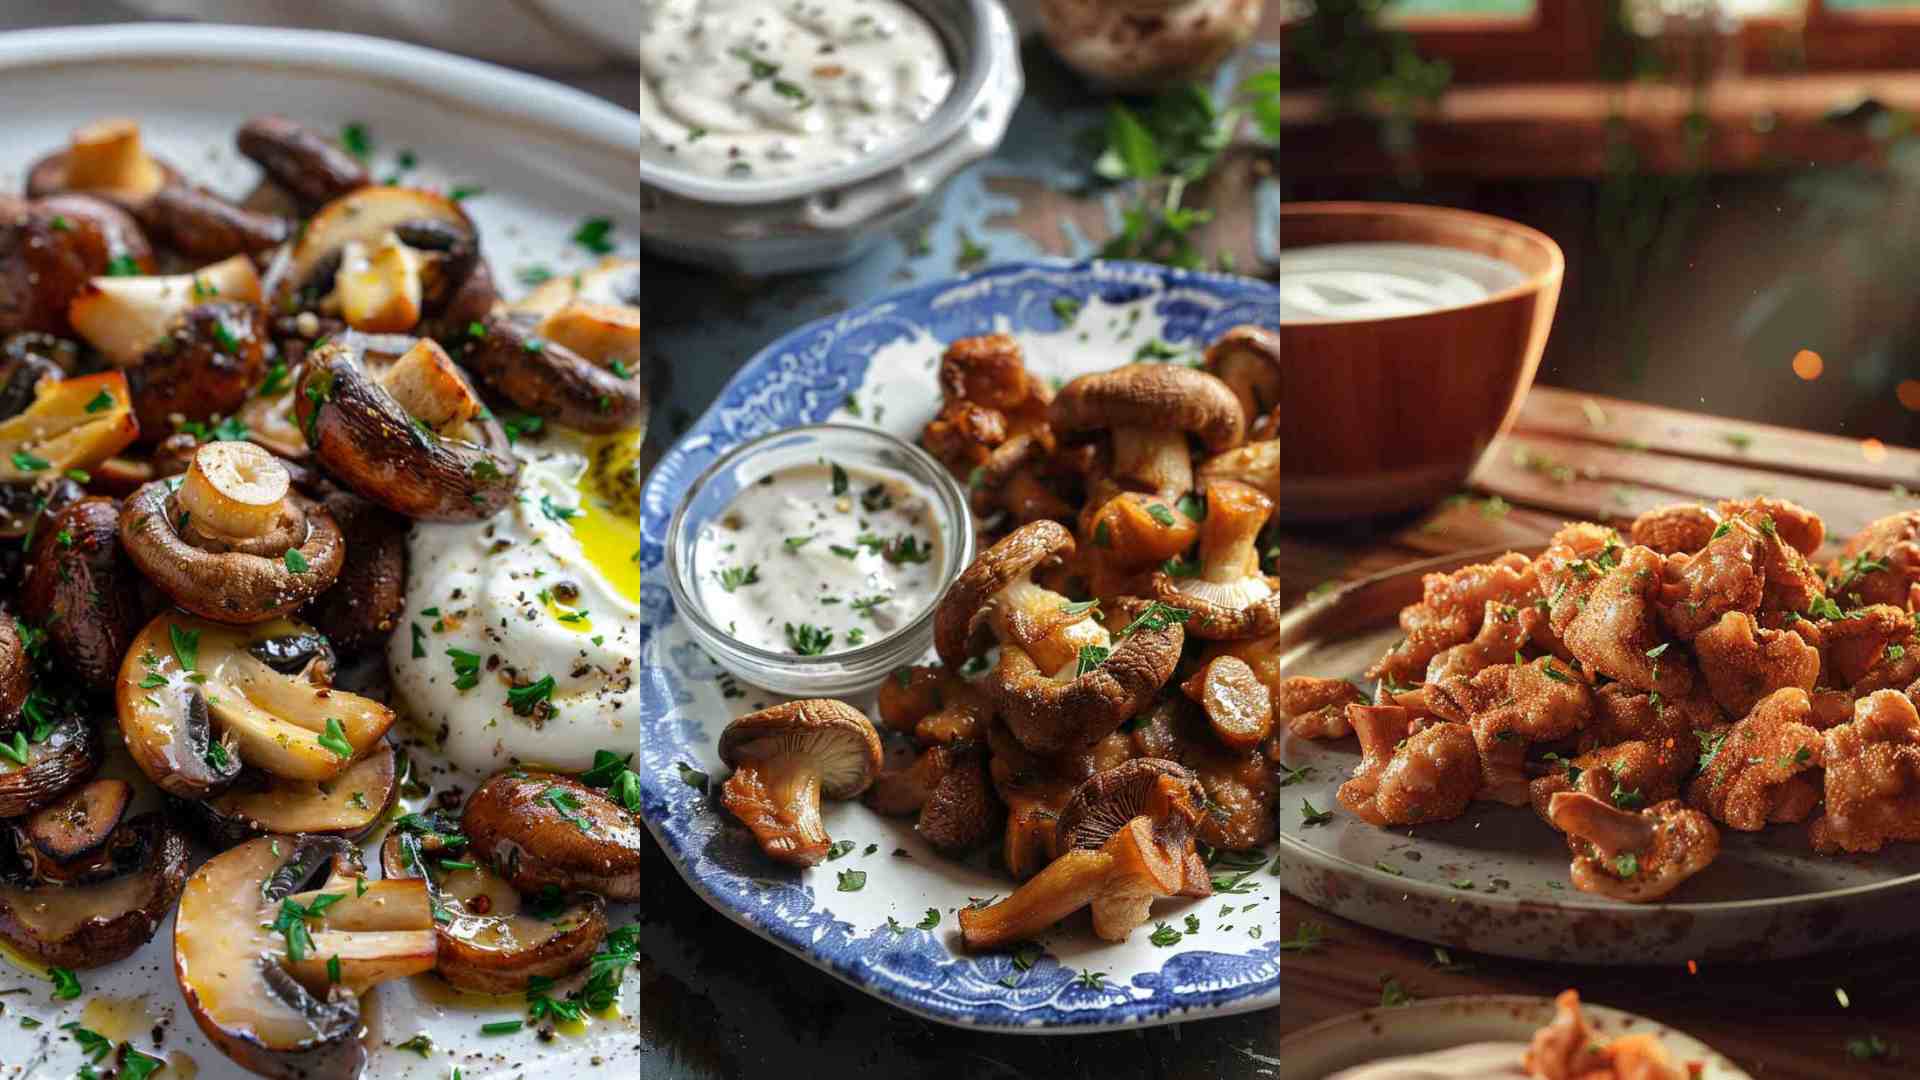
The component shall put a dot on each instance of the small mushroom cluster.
(218, 421)
(1127, 601)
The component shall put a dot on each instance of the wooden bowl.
(1383, 415)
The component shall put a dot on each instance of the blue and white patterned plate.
(875, 364)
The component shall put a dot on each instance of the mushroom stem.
(427, 384)
(1154, 458)
(107, 155)
(1229, 538)
(1068, 884)
(1380, 728)
(1045, 624)
(1612, 831)
(234, 490)
(779, 800)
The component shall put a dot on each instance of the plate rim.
(652, 555)
(1291, 845)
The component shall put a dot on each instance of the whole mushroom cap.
(835, 738)
(1013, 557)
(1155, 396)
(1103, 804)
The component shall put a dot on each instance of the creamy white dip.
(1475, 1061)
(766, 89)
(817, 559)
(1334, 282)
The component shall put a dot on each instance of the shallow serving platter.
(547, 157)
(880, 359)
(1443, 1023)
(1495, 879)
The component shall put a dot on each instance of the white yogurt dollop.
(768, 89)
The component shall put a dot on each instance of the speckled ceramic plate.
(876, 364)
(1441, 1023)
(546, 157)
(1494, 880)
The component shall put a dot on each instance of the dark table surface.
(718, 1001)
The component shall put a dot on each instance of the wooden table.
(1577, 456)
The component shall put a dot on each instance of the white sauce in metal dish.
(1342, 282)
(816, 559)
(771, 89)
(1475, 1061)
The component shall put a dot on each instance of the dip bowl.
(779, 226)
(1389, 414)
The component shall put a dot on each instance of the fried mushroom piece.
(1126, 838)
(308, 166)
(1568, 1049)
(198, 699)
(233, 542)
(1035, 789)
(207, 365)
(261, 804)
(1509, 706)
(1614, 630)
(72, 424)
(1798, 526)
(1756, 775)
(51, 248)
(263, 1001)
(1504, 631)
(1628, 775)
(1241, 790)
(55, 765)
(947, 786)
(1449, 612)
(987, 399)
(1227, 595)
(380, 258)
(1316, 708)
(1256, 464)
(1635, 857)
(364, 604)
(542, 829)
(1247, 359)
(107, 159)
(84, 591)
(934, 705)
(1881, 563)
(1404, 779)
(785, 760)
(413, 437)
(95, 900)
(1150, 410)
(491, 941)
(1854, 644)
(1679, 529)
(1872, 777)
(1743, 663)
(1238, 705)
(128, 317)
(16, 675)
(1724, 576)
(1623, 714)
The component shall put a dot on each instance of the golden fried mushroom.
(1449, 612)
(1743, 663)
(1315, 708)
(1613, 629)
(1509, 706)
(1755, 774)
(1881, 564)
(1636, 857)
(1680, 529)
(1872, 777)
(1504, 630)
(1406, 780)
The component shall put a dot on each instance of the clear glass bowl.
(832, 674)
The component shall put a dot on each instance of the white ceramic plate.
(1442, 1023)
(547, 158)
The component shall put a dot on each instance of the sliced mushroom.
(106, 158)
(1228, 597)
(195, 703)
(785, 760)
(232, 542)
(380, 257)
(1126, 839)
(1247, 359)
(1150, 410)
(1237, 703)
(311, 168)
(364, 434)
(50, 248)
(134, 873)
(63, 760)
(261, 804)
(593, 391)
(63, 839)
(83, 590)
(543, 829)
(365, 602)
(125, 317)
(273, 1013)
(490, 939)
(1062, 682)
(72, 424)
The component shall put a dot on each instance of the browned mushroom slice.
(611, 281)
(490, 938)
(380, 258)
(195, 702)
(202, 225)
(544, 829)
(72, 424)
(1257, 465)
(66, 834)
(1126, 839)
(52, 766)
(785, 760)
(1151, 409)
(1228, 596)
(253, 966)
(378, 434)
(206, 366)
(88, 919)
(1237, 704)
(259, 803)
(232, 541)
(308, 166)
(50, 248)
(541, 366)
(947, 786)
(124, 317)
(83, 591)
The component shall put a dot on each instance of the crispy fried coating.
(1797, 525)
(1504, 631)
(1628, 775)
(1449, 612)
(1407, 779)
(1568, 1049)
(1623, 714)
(1853, 646)
(1873, 777)
(1679, 529)
(1743, 663)
(1723, 576)
(1508, 706)
(1315, 708)
(1881, 564)
(1758, 773)
(1615, 631)
(1635, 857)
